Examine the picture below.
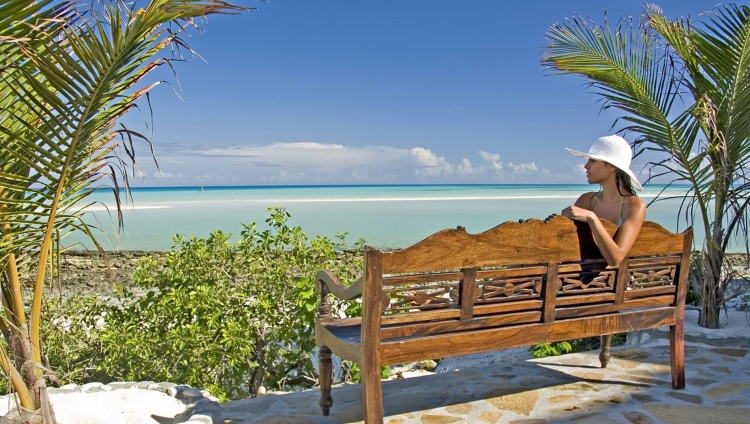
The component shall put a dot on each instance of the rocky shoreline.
(87, 272)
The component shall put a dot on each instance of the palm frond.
(628, 70)
(723, 46)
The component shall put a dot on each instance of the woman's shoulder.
(586, 199)
(634, 205)
(635, 201)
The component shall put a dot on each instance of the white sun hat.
(614, 150)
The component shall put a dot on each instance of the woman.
(609, 166)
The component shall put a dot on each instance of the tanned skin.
(610, 200)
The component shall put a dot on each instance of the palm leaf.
(614, 61)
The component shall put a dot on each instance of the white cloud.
(166, 175)
(430, 164)
(465, 168)
(489, 157)
(492, 160)
(522, 168)
(322, 163)
(509, 170)
(210, 177)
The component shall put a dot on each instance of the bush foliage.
(227, 317)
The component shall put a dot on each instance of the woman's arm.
(613, 250)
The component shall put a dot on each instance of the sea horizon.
(384, 215)
(281, 186)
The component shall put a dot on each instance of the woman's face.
(597, 171)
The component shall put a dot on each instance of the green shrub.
(744, 302)
(572, 346)
(354, 372)
(551, 349)
(697, 274)
(71, 331)
(225, 317)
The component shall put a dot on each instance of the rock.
(202, 410)
(163, 387)
(91, 387)
(69, 387)
(188, 394)
(144, 384)
(115, 385)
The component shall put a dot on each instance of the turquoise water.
(385, 216)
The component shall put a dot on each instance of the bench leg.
(372, 393)
(677, 355)
(606, 342)
(325, 372)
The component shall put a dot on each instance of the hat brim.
(630, 173)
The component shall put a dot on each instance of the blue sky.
(387, 92)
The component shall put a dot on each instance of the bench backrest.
(518, 272)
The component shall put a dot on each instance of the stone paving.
(635, 388)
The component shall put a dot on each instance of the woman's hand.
(578, 214)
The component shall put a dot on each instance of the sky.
(303, 92)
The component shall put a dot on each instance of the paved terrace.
(634, 388)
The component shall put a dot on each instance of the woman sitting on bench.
(609, 166)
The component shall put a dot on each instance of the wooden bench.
(517, 284)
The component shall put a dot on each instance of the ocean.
(385, 216)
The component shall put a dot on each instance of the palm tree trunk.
(712, 292)
(260, 371)
(16, 380)
(21, 369)
(22, 374)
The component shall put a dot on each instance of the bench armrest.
(326, 282)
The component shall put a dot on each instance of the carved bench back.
(516, 273)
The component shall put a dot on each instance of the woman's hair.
(624, 185)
